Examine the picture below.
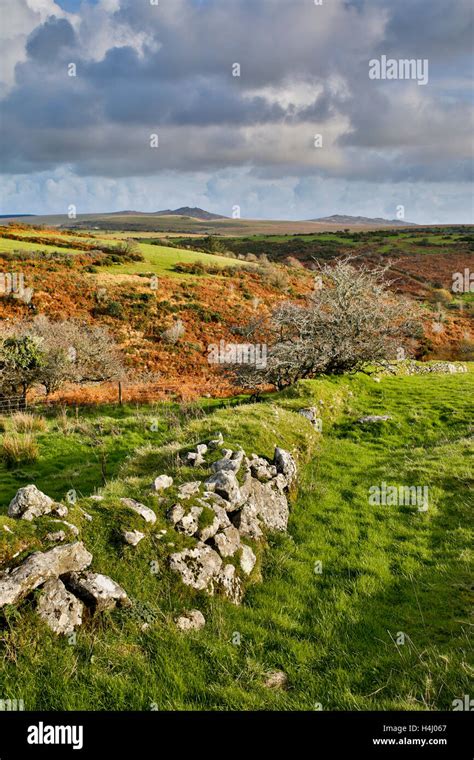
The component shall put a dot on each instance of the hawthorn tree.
(350, 321)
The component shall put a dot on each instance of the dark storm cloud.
(304, 69)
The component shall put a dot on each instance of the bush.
(18, 449)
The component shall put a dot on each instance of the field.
(362, 607)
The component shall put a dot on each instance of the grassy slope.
(385, 570)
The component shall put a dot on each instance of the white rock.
(97, 590)
(60, 609)
(247, 559)
(29, 502)
(193, 620)
(162, 482)
(133, 537)
(145, 512)
(227, 542)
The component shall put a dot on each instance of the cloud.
(168, 70)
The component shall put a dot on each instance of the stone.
(228, 541)
(145, 512)
(189, 524)
(247, 559)
(216, 442)
(96, 497)
(225, 484)
(85, 514)
(230, 464)
(272, 506)
(371, 418)
(133, 537)
(276, 679)
(60, 609)
(247, 522)
(41, 567)
(98, 591)
(261, 469)
(60, 510)
(198, 567)
(194, 459)
(186, 490)
(229, 583)
(56, 537)
(285, 464)
(201, 449)
(176, 513)
(193, 620)
(162, 482)
(29, 502)
(311, 414)
(73, 528)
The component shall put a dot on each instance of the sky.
(268, 106)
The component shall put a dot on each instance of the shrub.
(18, 449)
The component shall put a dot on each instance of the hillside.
(327, 601)
(365, 221)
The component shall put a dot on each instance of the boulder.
(199, 567)
(225, 484)
(145, 512)
(201, 449)
(133, 537)
(98, 591)
(311, 413)
(272, 506)
(60, 609)
(228, 541)
(247, 522)
(41, 567)
(285, 464)
(29, 502)
(193, 620)
(247, 559)
(229, 464)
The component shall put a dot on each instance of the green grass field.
(386, 571)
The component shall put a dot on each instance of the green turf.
(386, 571)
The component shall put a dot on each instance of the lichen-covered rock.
(133, 537)
(41, 567)
(230, 584)
(228, 541)
(145, 512)
(201, 449)
(98, 591)
(247, 559)
(261, 469)
(60, 609)
(198, 567)
(186, 490)
(229, 464)
(175, 513)
(285, 464)
(29, 502)
(189, 523)
(194, 459)
(162, 482)
(225, 484)
(246, 520)
(193, 620)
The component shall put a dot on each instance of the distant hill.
(194, 212)
(362, 220)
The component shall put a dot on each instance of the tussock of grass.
(18, 449)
